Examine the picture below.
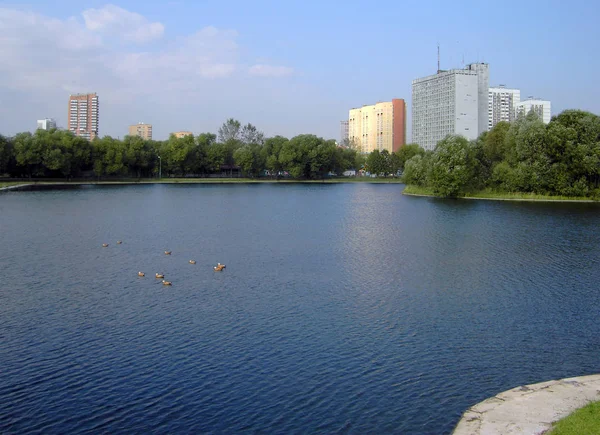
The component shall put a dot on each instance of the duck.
(167, 252)
(222, 266)
(219, 267)
(192, 261)
(159, 275)
(119, 242)
(141, 274)
(105, 245)
(166, 282)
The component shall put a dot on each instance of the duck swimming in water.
(159, 275)
(167, 252)
(141, 274)
(166, 282)
(192, 261)
(105, 245)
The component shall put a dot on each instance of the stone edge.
(473, 419)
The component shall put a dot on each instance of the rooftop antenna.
(438, 69)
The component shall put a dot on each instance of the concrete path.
(530, 409)
(16, 186)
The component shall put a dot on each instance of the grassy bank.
(583, 421)
(503, 196)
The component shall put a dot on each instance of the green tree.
(216, 156)
(270, 153)
(6, 154)
(28, 153)
(452, 167)
(407, 152)
(416, 170)
(376, 163)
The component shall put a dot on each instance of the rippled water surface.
(343, 309)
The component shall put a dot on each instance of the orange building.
(380, 126)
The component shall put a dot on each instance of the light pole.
(159, 167)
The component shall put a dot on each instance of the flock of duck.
(218, 268)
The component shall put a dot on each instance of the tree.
(216, 156)
(230, 131)
(6, 154)
(270, 153)
(395, 164)
(452, 167)
(494, 143)
(28, 153)
(407, 152)
(416, 170)
(251, 135)
(377, 162)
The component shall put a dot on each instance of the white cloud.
(262, 70)
(43, 59)
(130, 26)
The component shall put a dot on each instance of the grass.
(585, 420)
(491, 194)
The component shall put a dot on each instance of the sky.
(288, 67)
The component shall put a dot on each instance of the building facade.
(344, 132)
(540, 107)
(502, 103)
(380, 126)
(180, 134)
(46, 124)
(450, 102)
(84, 111)
(142, 130)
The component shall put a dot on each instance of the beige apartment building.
(381, 126)
(84, 110)
(142, 130)
(180, 134)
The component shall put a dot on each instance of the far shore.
(9, 185)
(499, 196)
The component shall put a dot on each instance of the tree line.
(237, 148)
(560, 158)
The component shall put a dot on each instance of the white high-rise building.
(450, 102)
(502, 103)
(541, 107)
(46, 124)
(344, 132)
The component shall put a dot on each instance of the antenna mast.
(438, 70)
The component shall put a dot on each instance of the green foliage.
(416, 170)
(407, 152)
(558, 159)
(452, 167)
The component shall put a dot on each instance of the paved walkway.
(16, 186)
(530, 409)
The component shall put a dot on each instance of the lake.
(344, 308)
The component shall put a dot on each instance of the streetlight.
(159, 167)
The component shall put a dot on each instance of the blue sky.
(288, 67)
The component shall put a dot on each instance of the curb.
(530, 409)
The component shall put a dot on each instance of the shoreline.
(25, 184)
(529, 409)
(583, 201)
